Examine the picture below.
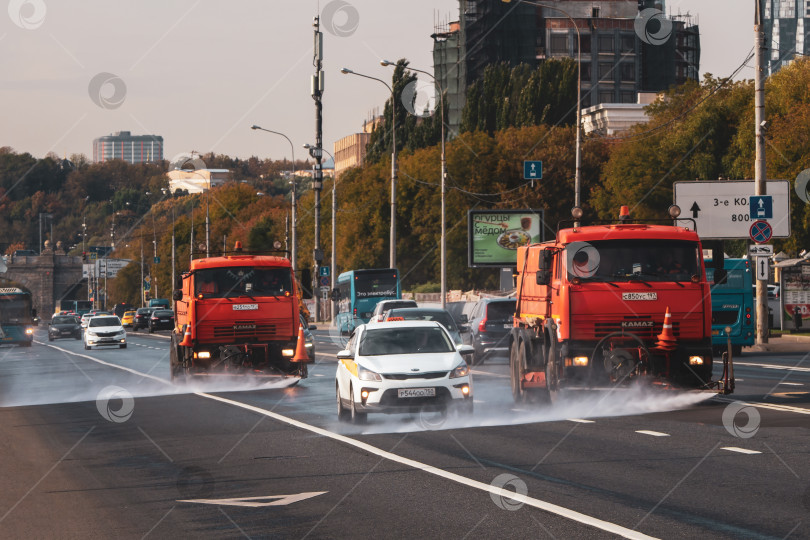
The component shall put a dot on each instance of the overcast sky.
(201, 72)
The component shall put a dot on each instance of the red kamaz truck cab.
(237, 314)
(606, 304)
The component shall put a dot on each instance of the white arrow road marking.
(258, 502)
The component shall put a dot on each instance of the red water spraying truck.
(610, 304)
(238, 314)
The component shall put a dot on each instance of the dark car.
(161, 319)
(489, 326)
(64, 326)
(142, 316)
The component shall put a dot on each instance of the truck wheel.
(342, 413)
(176, 368)
(552, 379)
(516, 373)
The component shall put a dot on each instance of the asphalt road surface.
(99, 444)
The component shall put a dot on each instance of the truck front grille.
(595, 328)
(236, 331)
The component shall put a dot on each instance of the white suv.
(385, 305)
(104, 330)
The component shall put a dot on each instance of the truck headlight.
(580, 360)
(695, 360)
(29, 331)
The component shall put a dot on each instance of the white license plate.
(245, 307)
(416, 392)
(508, 326)
(640, 296)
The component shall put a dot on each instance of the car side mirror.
(345, 355)
(312, 327)
(177, 295)
(463, 319)
(463, 328)
(464, 350)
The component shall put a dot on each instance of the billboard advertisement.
(495, 235)
(795, 293)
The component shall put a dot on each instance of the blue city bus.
(16, 317)
(733, 306)
(360, 291)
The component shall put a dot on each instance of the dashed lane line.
(429, 469)
(652, 433)
(739, 450)
(760, 405)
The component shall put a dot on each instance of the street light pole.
(334, 229)
(171, 288)
(578, 169)
(443, 242)
(292, 151)
(392, 256)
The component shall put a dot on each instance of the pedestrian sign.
(532, 170)
(761, 206)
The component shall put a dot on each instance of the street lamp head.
(346, 71)
(254, 126)
(386, 63)
(307, 146)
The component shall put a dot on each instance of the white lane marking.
(530, 501)
(739, 450)
(653, 433)
(489, 374)
(772, 366)
(505, 493)
(792, 383)
(581, 420)
(772, 406)
(257, 502)
(318, 375)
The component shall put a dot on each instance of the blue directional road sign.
(760, 232)
(323, 271)
(761, 206)
(532, 170)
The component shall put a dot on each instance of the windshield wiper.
(637, 278)
(599, 279)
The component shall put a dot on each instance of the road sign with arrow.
(763, 269)
(726, 209)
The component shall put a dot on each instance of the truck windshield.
(242, 281)
(624, 260)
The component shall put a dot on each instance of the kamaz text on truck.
(237, 315)
(609, 304)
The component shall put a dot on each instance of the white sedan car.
(104, 330)
(402, 366)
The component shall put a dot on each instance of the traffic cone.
(186, 337)
(666, 339)
(300, 347)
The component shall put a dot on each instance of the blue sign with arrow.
(532, 170)
(761, 206)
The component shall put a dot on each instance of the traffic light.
(84, 256)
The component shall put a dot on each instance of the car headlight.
(461, 370)
(366, 375)
(29, 331)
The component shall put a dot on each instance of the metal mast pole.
(759, 166)
(317, 177)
